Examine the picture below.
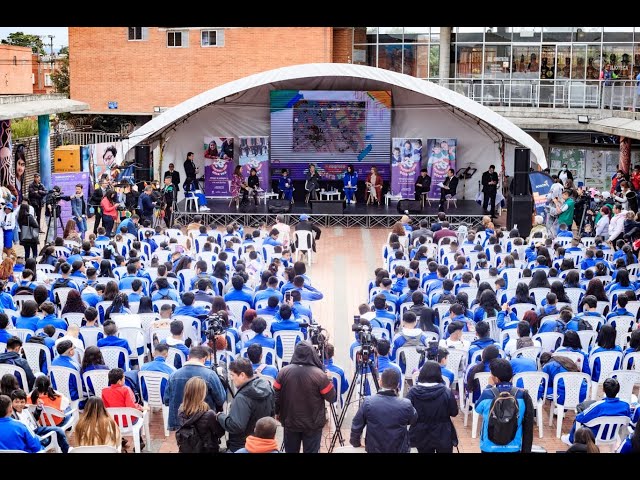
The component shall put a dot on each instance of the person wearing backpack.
(589, 309)
(507, 413)
(409, 336)
(198, 431)
(12, 356)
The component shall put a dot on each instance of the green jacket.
(567, 216)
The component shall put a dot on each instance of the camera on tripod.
(315, 334)
(216, 325)
(430, 352)
(366, 339)
(55, 195)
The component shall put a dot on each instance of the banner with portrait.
(540, 186)
(440, 157)
(218, 165)
(67, 182)
(105, 158)
(7, 170)
(254, 153)
(406, 158)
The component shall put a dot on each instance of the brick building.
(141, 71)
(15, 70)
(42, 67)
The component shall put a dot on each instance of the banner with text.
(67, 183)
(540, 186)
(254, 153)
(440, 157)
(406, 158)
(218, 166)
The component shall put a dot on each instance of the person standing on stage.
(448, 187)
(175, 177)
(423, 184)
(168, 198)
(313, 183)
(146, 204)
(190, 183)
(350, 180)
(37, 192)
(490, 188)
(253, 183)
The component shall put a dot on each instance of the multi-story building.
(15, 70)
(550, 81)
(42, 67)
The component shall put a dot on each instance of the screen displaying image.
(341, 126)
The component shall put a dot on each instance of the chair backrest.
(95, 381)
(237, 309)
(550, 341)
(411, 358)
(268, 355)
(304, 239)
(521, 308)
(532, 381)
(627, 380)
(152, 382)
(61, 294)
(90, 336)
(157, 304)
(607, 429)
(623, 325)
(457, 360)
(577, 357)
(587, 338)
(573, 382)
(631, 361)
(94, 449)
(532, 353)
(483, 379)
(23, 333)
(32, 353)
(115, 357)
(20, 299)
(288, 339)
(61, 379)
(134, 337)
(608, 360)
(74, 318)
(160, 333)
(171, 357)
(17, 372)
(126, 416)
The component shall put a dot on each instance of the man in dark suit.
(190, 183)
(450, 185)
(175, 178)
(490, 188)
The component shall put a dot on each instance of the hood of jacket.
(304, 354)
(8, 356)
(428, 393)
(257, 388)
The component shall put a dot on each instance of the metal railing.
(88, 138)
(611, 94)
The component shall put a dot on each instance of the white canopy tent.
(421, 109)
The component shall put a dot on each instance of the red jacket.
(635, 180)
(119, 396)
(108, 208)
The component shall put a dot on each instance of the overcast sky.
(60, 33)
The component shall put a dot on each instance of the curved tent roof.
(339, 76)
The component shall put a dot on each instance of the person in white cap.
(8, 223)
(305, 224)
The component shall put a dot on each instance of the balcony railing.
(611, 94)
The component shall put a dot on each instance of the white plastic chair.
(134, 337)
(608, 430)
(304, 239)
(627, 380)
(94, 449)
(61, 294)
(61, 381)
(532, 353)
(457, 362)
(112, 356)
(90, 336)
(633, 359)
(483, 380)
(623, 325)
(550, 341)
(32, 353)
(17, 372)
(152, 382)
(521, 308)
(49, 414)
(577, 357)
(608, 360)
(532, 381)
(20, 299)
(74, 318)
(172, 353)
(587, 338)
(572, 384)
(288, 339)
(237, 309)
(268, 355)
(575, 295)
(128, 416)
(99, 381)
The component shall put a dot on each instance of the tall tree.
(60, 77)
(21, 39)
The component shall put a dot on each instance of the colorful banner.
(540, 186)
(406, 158)
(105, 158)
(441, 156)
(218, 166)
(67, 183)
(254, 153)
(7, 171)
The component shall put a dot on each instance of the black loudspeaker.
(522, 165)
(143, 164)
(327, 206)
(408, 205)
(519, 212)
(278, 206)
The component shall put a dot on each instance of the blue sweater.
(68, 362)
(606, 407)
(15, 435)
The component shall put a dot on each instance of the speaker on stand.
(143, 168)
(520, 201)
(465, 173)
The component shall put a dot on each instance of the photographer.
(53, 209)
(37, 192)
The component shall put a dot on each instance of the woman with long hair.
(427, 317)
(120, 304)
(555, 364)
(26, 220)
(572, 343)
(433, 432)
(105, 270)
(605, 342)
(183, 264)
(622, 282)
(558, 288)
(44, 392)
(583, 442)
(350, 181)
(238, 185)
(595, 287)
(95, 426)
(195, 411)
(145, 305)
(399, 230)
(539, 280)
(48, 256)
(74, 303)
(481, 288)
(108, 204)
(374, 187)
(488, 306)
(70, 232)
(522, 295)
(92, 360)
(110, 291)
(8, 383)
(28, 318)
(572, 279)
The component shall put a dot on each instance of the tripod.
(321, 352)
(53, 206)
(364, 366)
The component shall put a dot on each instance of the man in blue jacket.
(386, 417)
(500, 378)
(15, 435)
(609, 406)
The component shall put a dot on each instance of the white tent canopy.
(421, 109)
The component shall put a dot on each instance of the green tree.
(21, 39)
(60, 77)
(64, 51)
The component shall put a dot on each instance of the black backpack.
(503, 416)
(584, 325)
(189, 439)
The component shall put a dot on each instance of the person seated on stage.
(448, 188)
(374, 187)
(350, 181)
(253, 182)
(423, 184)
(285, 185)
(312, 184)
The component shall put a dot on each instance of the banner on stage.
(540, 186)
(406, 159)
(440, 157)
(67, 183)
(218, 166)
(105, 158)
(254, 153)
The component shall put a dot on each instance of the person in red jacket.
(118, 395)
(635, 177)
(109, 210)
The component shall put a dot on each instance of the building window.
(178, 39)
(138, 33)
(47, 80)
(212, 38)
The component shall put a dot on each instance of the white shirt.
(563, 175)
(459, 344)
(602, 227)
(616, 225)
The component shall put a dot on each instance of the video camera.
(430, 352)
(315, 334)
(366, 338)
(55, 195)
(216, 325)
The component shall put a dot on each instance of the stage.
(467, 213)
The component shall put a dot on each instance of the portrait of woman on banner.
(212, 150)
(20, 168)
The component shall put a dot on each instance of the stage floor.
(359, 214)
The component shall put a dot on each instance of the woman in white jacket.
(602, 227)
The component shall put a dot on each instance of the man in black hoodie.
(301, 389)
(253, 400)
(12, 356)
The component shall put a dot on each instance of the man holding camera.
(37, 192)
